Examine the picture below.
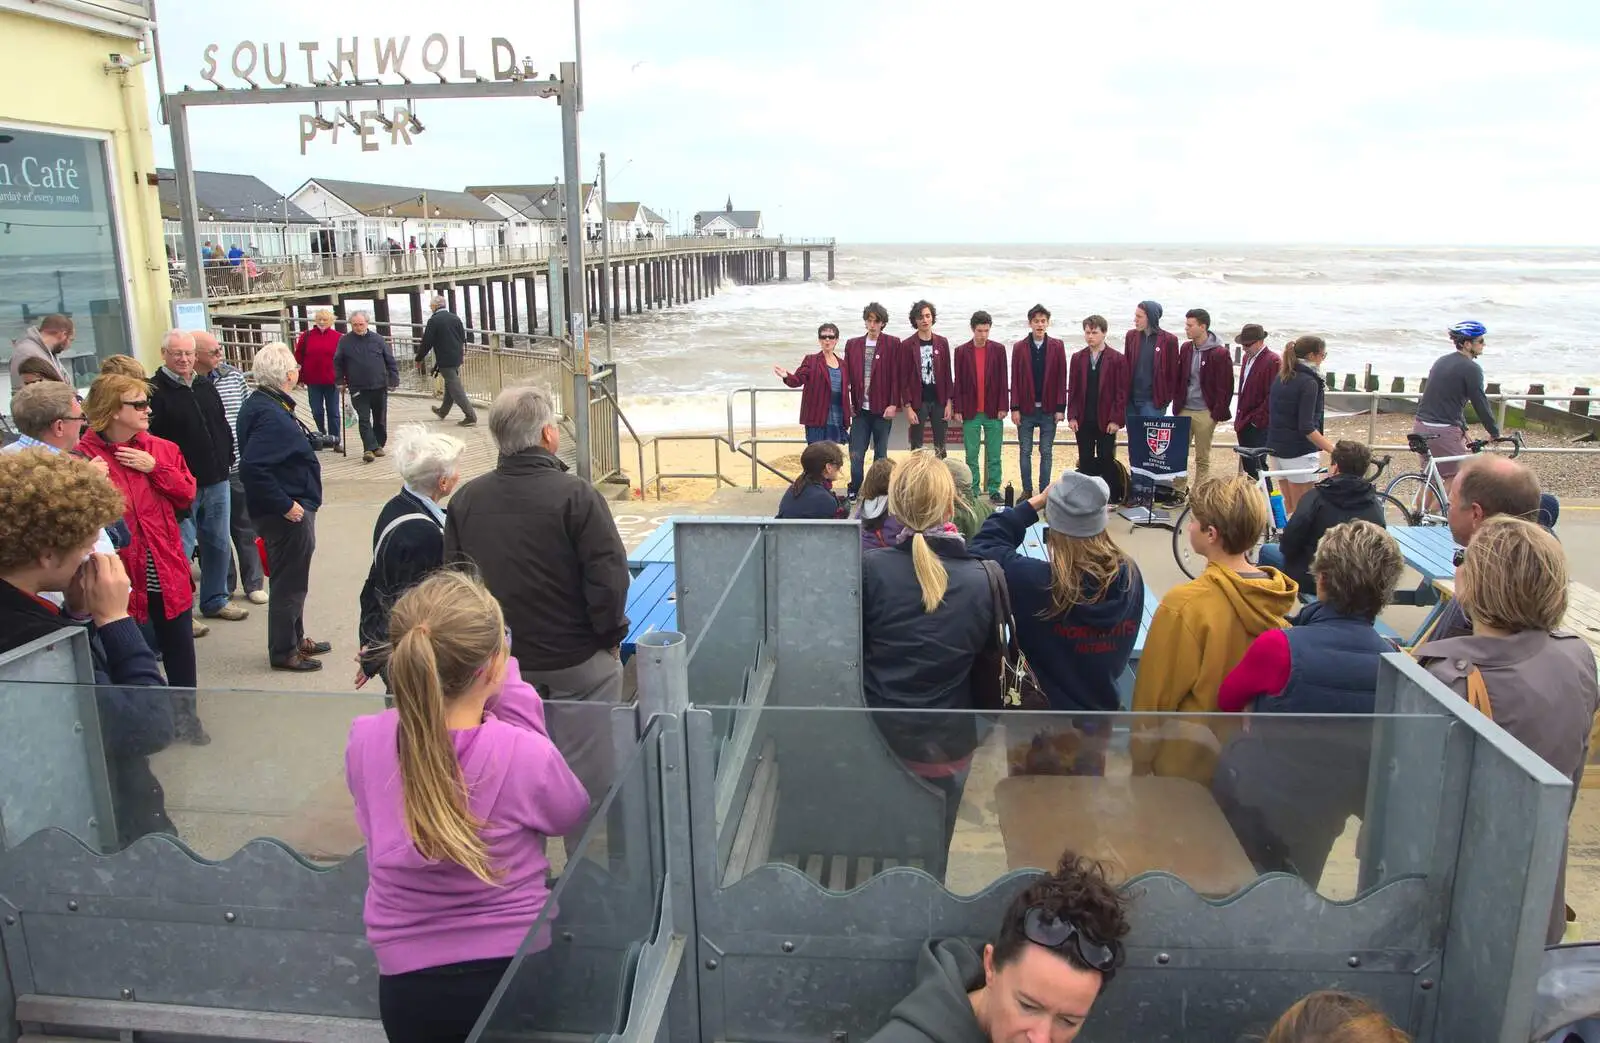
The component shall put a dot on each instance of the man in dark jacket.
(363, 363)
(1344, 495)
(544, 542)
(447, 339)
(1059, 945)
(185, 408)
(45, 550)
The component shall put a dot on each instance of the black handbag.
(1001, 679)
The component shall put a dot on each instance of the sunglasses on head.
(1042, 928)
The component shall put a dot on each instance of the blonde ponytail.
(443, 632)
(922, 495)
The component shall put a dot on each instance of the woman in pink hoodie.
(456, 790)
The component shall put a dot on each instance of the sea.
(1387, 306)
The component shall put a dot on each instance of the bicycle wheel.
(1421, 497)
(1395, 513)
(1189, 563)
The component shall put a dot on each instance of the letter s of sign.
(209, 71)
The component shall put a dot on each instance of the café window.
(59, 246)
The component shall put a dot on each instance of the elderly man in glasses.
(1059, 945)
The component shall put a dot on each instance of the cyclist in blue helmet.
(1455, 380)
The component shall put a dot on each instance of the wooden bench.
(652, 604)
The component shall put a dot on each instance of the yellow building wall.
(54, 76)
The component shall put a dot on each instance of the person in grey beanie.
(1078, 613)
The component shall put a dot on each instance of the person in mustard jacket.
(1203, 628)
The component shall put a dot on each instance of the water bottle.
(1280, 517)
(1011, 495)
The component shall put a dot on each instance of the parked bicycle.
(1423, 496)
(1193, 564)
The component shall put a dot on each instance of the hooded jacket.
(423, 912)
(1164, 368)
(1076, 658)
(887, 531)
(148, 505)
(314, 350)
(1216, 377)
(1199, 633)
(937, 1009)
(1333, 501)
(31, 346)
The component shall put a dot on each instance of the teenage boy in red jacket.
(872, 367)
(1204, 391)
(1260, 365)
(925, 365)
(980, 402)
(1038, 395)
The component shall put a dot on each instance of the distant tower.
(729, 207)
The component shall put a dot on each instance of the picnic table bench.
(652, 603)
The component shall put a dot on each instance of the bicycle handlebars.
(1514, 440)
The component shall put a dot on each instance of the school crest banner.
(1159, 446)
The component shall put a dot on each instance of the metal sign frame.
(564, 88)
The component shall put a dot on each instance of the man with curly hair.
(1059, 945)
(52, 508)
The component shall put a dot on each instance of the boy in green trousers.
(981, 395)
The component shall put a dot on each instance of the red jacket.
(1114, 380)
(148, 503)
(314, 351)
(1165, 372)
(1256, 392)
(911, 370)
(1216, 380)
(994, 381)
(887, 387)
(1054, 395)
(813, 377)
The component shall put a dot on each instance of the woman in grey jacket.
(1531, 678)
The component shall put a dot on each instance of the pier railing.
(252, 277)
(492, 360)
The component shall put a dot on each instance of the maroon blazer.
(1165, 371)
(1114, 383)
(813, 377)
(887, 388)
(1256, 392)
(994, 381)
(1216, 380)
(1054, 394)
(911, 370)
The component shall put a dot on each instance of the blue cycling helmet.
(1468, 330)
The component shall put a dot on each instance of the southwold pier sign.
(354, 64)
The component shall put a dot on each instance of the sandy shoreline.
(1570, 476)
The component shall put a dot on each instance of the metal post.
(609, 306)
(579, 322)
(663, 674)
(188, 208)
(427, 242)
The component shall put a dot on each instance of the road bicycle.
(1423, 495)
(1192, 563)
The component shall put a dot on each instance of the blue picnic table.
(1430, 550)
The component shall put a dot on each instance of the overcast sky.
(1400, 121)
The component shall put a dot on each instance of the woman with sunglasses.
(1059, 945)
(824, 402)
(456, 790)
(155, 483)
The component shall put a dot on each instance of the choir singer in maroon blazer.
(1097, 403)
(1260, 365)
(877, 389)
(1038, 395)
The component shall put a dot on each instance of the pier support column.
(466, 306)
(512, 306)
(830, 264)
(418, 316)
(615, 304)
(549, 304)
(530, 287)
(805, 266)
(488, 304)
(627, 288)
(783, 265)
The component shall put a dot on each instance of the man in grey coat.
(45, 341)
(447, 339)
(363, 363)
